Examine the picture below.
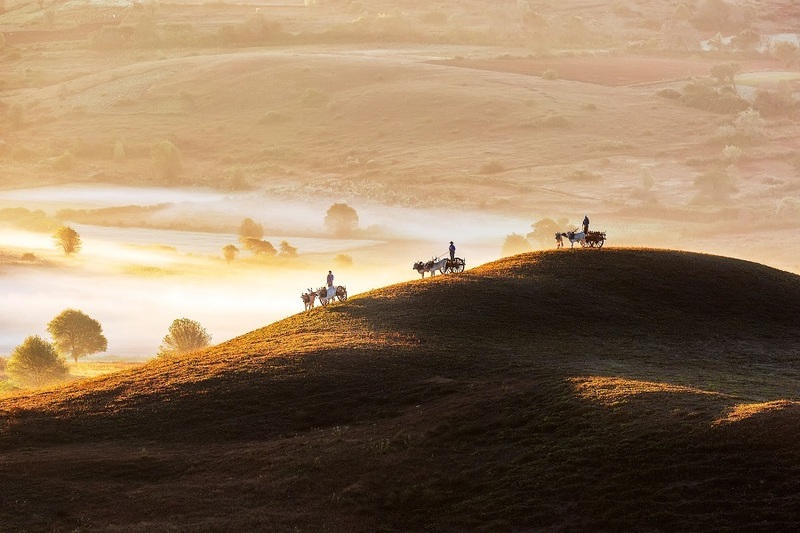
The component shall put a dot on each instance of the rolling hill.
(628, 389)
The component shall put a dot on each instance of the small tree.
(229, 251)
(68, 240)
(341, 219)
(250, 229)
(785, 52)
(343, 260)
(166, 160)
(119, 151)
(16, 116)
(77, 334)
(35, 362)
(750, 124)
(726, 72)
(515, 244)
(184, 336)
(287, 251)
(261, 247)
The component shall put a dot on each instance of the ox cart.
(590, 239)
(444, 266)
(327, 295)
(595, 239)
(454, 266)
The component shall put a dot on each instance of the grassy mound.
(622, 389)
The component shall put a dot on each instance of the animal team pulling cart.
(444, 266)
(590, 239)
(325, 295)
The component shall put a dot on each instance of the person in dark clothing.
(585, 224)
(452, 250)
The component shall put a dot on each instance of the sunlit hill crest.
(618, 389)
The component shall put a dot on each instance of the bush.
(65, 161)
(785, 52)
(16, 116)
(492, 166)
(435, 17)
(779, 103)
(550, 74)
(35, 363)
(725, 72)
(166, 160)
(731, 153)
(313, 98)
(749, 124)
(716, 185)
(553, 121)
(724, 133)
(585, 176)
(701, 94)
(184, 336)
(119, 151)
(343, 260)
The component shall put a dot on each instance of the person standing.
(452, 250)
(330, 278)
(585, 224)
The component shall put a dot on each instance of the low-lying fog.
(135, 281)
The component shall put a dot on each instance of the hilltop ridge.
(622, 388)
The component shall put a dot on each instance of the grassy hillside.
(624, 389)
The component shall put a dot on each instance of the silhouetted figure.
(452, 250)
(585, 224)
(330, 279)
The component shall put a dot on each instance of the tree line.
(38, 362)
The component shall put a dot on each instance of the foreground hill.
(615, 390)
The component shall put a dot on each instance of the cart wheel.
(324, 301)
(342, 297)
(459, 266)
(600, 243)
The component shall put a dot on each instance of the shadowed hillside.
(585, 390)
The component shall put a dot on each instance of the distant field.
(90, 369)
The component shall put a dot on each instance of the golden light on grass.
(614, 391)
(744, 411)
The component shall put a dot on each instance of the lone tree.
(229, 251)
(184, 336)
(77, 334)
(341, 219)
(68, 240)
(35, 362)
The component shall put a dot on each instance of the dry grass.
(517, 395)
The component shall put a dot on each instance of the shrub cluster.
(703, 94)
